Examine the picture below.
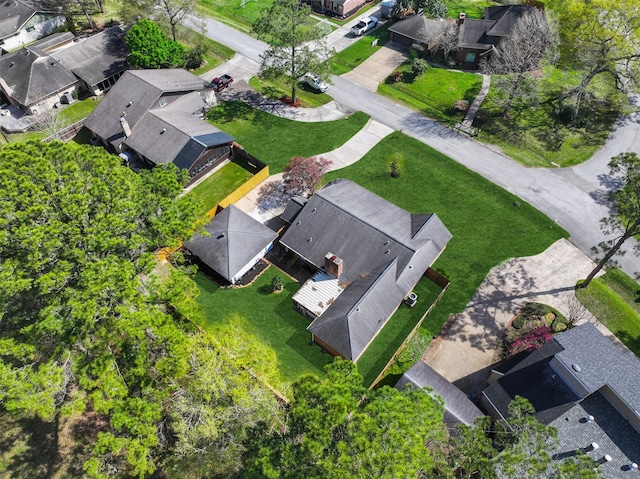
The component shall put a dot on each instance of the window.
(31, 28)
(470, 58)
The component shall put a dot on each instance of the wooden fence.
(66, 133)
(441, 281)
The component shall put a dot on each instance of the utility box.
(411, 299)
(66, 98)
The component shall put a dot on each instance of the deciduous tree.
(150, 48)
(302, 176)
(600, 37)
(520, 55)
(164, 12)
(428, 8)
(296, 44)
(624, 221)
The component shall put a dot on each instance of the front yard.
(435, 92)
(276, 140)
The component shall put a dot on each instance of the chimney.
(333, 265)
(461, 17)
(125, 126)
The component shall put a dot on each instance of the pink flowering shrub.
(531, 341)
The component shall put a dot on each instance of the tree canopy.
(88, 327)
(169, 13)
(296, 44)
(336, 428)
(149, 47)
(302, 176)
(624, 221)
(600, 37)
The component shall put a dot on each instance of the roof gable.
(15, 13)
(234, 239)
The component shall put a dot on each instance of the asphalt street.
(574, 198)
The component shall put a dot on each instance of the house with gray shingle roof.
(35, 77)
(155, 117)
(585, 386)
(476, 38)
(375, 251)
(458, 408)
(235, 243)
(24, 21)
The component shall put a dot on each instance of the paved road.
(575, 198)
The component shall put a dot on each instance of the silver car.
(315, 82)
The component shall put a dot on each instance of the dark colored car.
(221, 82)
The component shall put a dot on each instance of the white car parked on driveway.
(363, 26)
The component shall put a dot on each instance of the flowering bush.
(531, 341)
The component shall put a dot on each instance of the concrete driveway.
(375, 69)
(467, 346)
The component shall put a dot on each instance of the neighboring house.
(24, 21)
(235, 243)
(475, 38)
(336, 8)
(98, 61)
(587, 388)
(36, 77)
(458, 408)
(154, 117)
(369, 254)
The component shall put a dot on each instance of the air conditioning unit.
(411, 299)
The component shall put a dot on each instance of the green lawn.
(396, 330)
(487, 228)
(272, 318)
(359, 51)
(216, 53)
(233, 13)
(473, 8)
(536, 136)
(276, 140)
(615, 300)
(434, 92)
(219, 185)
(309, 98)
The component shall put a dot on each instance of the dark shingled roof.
(385, 251)
(570, 378)
(161, 108)
(15, 13)
(235, 239)
(497, 22)
(415, 27)
(52, 41)
(458, 408)
(96, 58)
(29, 77)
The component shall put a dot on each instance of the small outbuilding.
(235, 243)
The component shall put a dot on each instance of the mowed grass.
(383, 347)
(615, 300)
(352, 56)
(309, 98)
(487, 228)
(473, 8)
(276, 140)
(236, 13)
(219, 185)
(272, 319)
(435, 92)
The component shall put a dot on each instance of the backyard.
(615, 300)
(219, 185)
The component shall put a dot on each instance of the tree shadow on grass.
(229, 111)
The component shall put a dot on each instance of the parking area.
(378, 66)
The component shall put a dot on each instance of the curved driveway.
(573, 197)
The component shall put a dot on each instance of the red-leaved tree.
(303, 176)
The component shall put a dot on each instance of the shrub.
(531, 341)
(419, 66)
(194, 57)
(277, 284)
(461, 105)
(519, 321)
(396, 76)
